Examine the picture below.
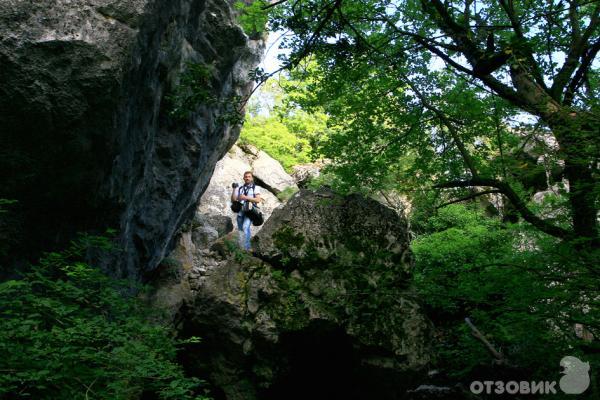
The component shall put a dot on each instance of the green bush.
(196, 88)
(524, 290)
(67, 331)
(287, 193)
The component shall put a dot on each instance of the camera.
(234, 185)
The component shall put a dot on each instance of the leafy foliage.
(287, 193)
(69, 331)
(524, 290)
(457, 95)
(454, 101)
(286, 132)
(196, 88)
(273, 137)
(4, 203)
(253, 16)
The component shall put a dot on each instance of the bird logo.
(576, 377)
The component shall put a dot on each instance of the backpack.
(255, 216)
(236, 206)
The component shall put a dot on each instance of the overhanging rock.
(85, 131)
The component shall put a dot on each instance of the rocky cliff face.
(321, 308)
(85, 133)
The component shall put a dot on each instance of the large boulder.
(87, 137)
(222, 224)
(276, 326)
(207, 228)
(322, 227)
(271, 174)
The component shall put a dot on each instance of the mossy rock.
(321, 228)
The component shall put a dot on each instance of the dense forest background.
(474, 258)
(484, 114)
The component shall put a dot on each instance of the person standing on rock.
(249, 195)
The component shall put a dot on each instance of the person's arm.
(234, 195)
(255, 199)
(256, 192)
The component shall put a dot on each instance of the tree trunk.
(577, 136)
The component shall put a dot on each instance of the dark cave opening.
(317, 362)
(323, 363)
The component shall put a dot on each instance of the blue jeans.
(243, 223)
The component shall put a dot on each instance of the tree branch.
(471, 196)
(309, 43)
(475, 56)
(516, 25)
(274, 4)
(455, 136)
(574, 20)
(579, 76)
(460, 33)
(514, 198)
(497, 355)
(577, 49)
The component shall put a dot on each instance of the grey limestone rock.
(84, 116)
(204, 236)
(222, 224)
(270, 172)
(303, 173)
(321, 227)
(255, 311)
